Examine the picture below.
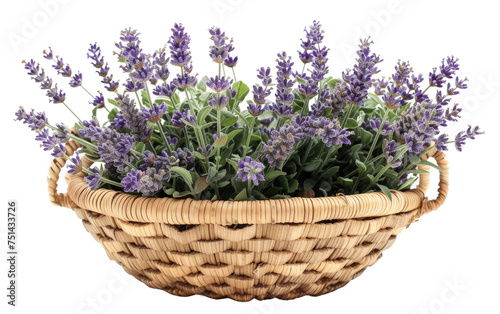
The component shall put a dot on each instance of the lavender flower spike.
(76, 166)
(131, 181)
(386, 128)
(179, 46)
(154, 114)
(219, 84)
(249, 169)
(94, 178)
(360, 80)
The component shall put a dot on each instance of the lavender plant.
(170, 133)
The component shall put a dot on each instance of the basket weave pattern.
(243, 250)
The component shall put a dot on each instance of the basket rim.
(292, 210)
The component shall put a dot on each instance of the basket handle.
(60, 199)
(431, 205)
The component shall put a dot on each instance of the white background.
(62, 269)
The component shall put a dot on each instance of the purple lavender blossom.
(452, 114)
(165, 89)
(130, 51)
(65, 71)
(459, 84)
(441, 142)
(320, 69)
(94, 53)
(131, 181)
(179, 46)
(48, 55)
(219, 84)
(313, 37)
(38, 75)
(188, 68)
(360, 80)
(420, 126)
(308, 90)
(59, 64)
(112, 85)
(284, 93)
(385, 129)
(151, 181)
(160, 57)
(414, 142)
(76, 80)
(133, 86)
(136, 121)
(56, 95)
(332, 134)
(460, 139)
(119, 122)
(112, 146)
(281, 110)
(182, 157)
(51, 143)
(469, 134)
(98, 101)
(62, 132)
(260, 94)
(94, 178)
(35, 121)
(103, 71)
(172, 141)
(338, 98)
(162, 72)
(76, 165)
(154, 114)
(149, 160)
(280, 145)
(218, 101)
(48, 141)
(391, 153)
(142, 74)
(264, 74)
(398, 90)
(305, 57)
(473, 131)
(329, 131)
(58, 151)
(184, 81)
(249, 169)
(447, 69)
(219, 51)
(231, 62)
(255, 110)
(178, 117)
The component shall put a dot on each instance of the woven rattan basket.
(243, 250)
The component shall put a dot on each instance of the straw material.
(244, 250)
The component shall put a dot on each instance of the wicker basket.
(243, 250)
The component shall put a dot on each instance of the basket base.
(284, 261)
(297, 293)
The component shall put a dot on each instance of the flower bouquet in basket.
(203, 185)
